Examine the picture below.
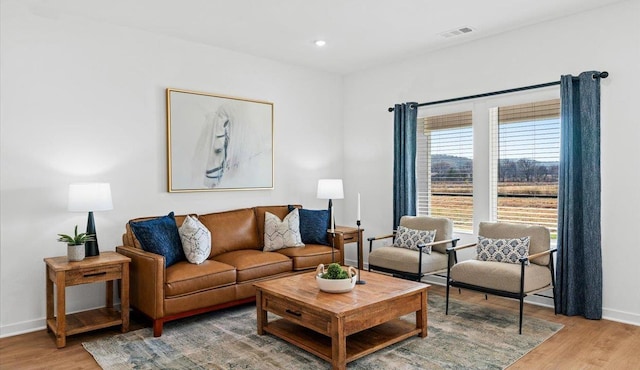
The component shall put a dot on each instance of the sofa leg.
(157, 327)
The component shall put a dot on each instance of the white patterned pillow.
(410, 238)
(196, 240)
(282, 234)
(502, 250)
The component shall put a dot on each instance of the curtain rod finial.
(603, 74)
(391, 109)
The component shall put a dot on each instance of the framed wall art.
(217, 143)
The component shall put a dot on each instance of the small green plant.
(76, 239)
(335, 271)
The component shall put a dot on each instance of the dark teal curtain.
(404, 161)
(579, 260)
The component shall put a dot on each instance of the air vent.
(457, 32)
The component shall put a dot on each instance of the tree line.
(509, 170)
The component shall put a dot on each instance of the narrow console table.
(107, 267)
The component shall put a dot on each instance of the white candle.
(358, 206)
(333, 221)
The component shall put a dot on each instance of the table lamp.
(90, 197)
(330, 189)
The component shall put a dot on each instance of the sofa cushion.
(314, 225)
(284, 233)
(196, 240)
(252, 264)
(186, 278)
(231, 230)
(410, 238)
(160, 235)
(310, 256)
(280, 211)
(129, 238)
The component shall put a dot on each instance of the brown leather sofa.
(226, 278)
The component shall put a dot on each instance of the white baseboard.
(621, 316)
(22, 328)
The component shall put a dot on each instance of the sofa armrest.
(146, 280)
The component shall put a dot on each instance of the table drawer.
(350, 238)
(93, 274)
(298, 314)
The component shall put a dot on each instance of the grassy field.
(528, 203)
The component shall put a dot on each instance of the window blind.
(444, 168)
(525, 160)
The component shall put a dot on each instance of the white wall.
(604, 39)
(84, 101)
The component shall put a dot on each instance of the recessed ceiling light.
(320, 43)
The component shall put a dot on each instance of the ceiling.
(359, 33)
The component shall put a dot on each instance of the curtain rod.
(603, 74)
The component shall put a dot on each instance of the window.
(444, 168)
(524, 163)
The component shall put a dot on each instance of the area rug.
(470, 337)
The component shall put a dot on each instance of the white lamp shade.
(88, 197)
(330, 189)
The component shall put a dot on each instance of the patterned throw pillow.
(502, 250)
(196, 240)
(160, 236)
(410, 238)
(282, 234)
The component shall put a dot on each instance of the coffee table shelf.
(358, 344)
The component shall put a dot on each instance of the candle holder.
(333, 245)
(359, 281)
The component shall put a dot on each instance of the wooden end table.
(107, 267)
(343, 327)
(352, 235)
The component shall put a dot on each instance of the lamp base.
(91, 247)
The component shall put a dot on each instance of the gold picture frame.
(218, 143)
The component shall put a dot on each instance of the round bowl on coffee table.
(336, 285)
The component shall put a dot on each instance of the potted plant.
(335, 279)
(75, 244)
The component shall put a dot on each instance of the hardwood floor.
(581, 344)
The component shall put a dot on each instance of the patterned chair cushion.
(410, 238)
(502, 250)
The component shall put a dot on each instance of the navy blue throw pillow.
(314, 225)
(160, 235)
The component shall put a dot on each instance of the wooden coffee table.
(343, 327)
